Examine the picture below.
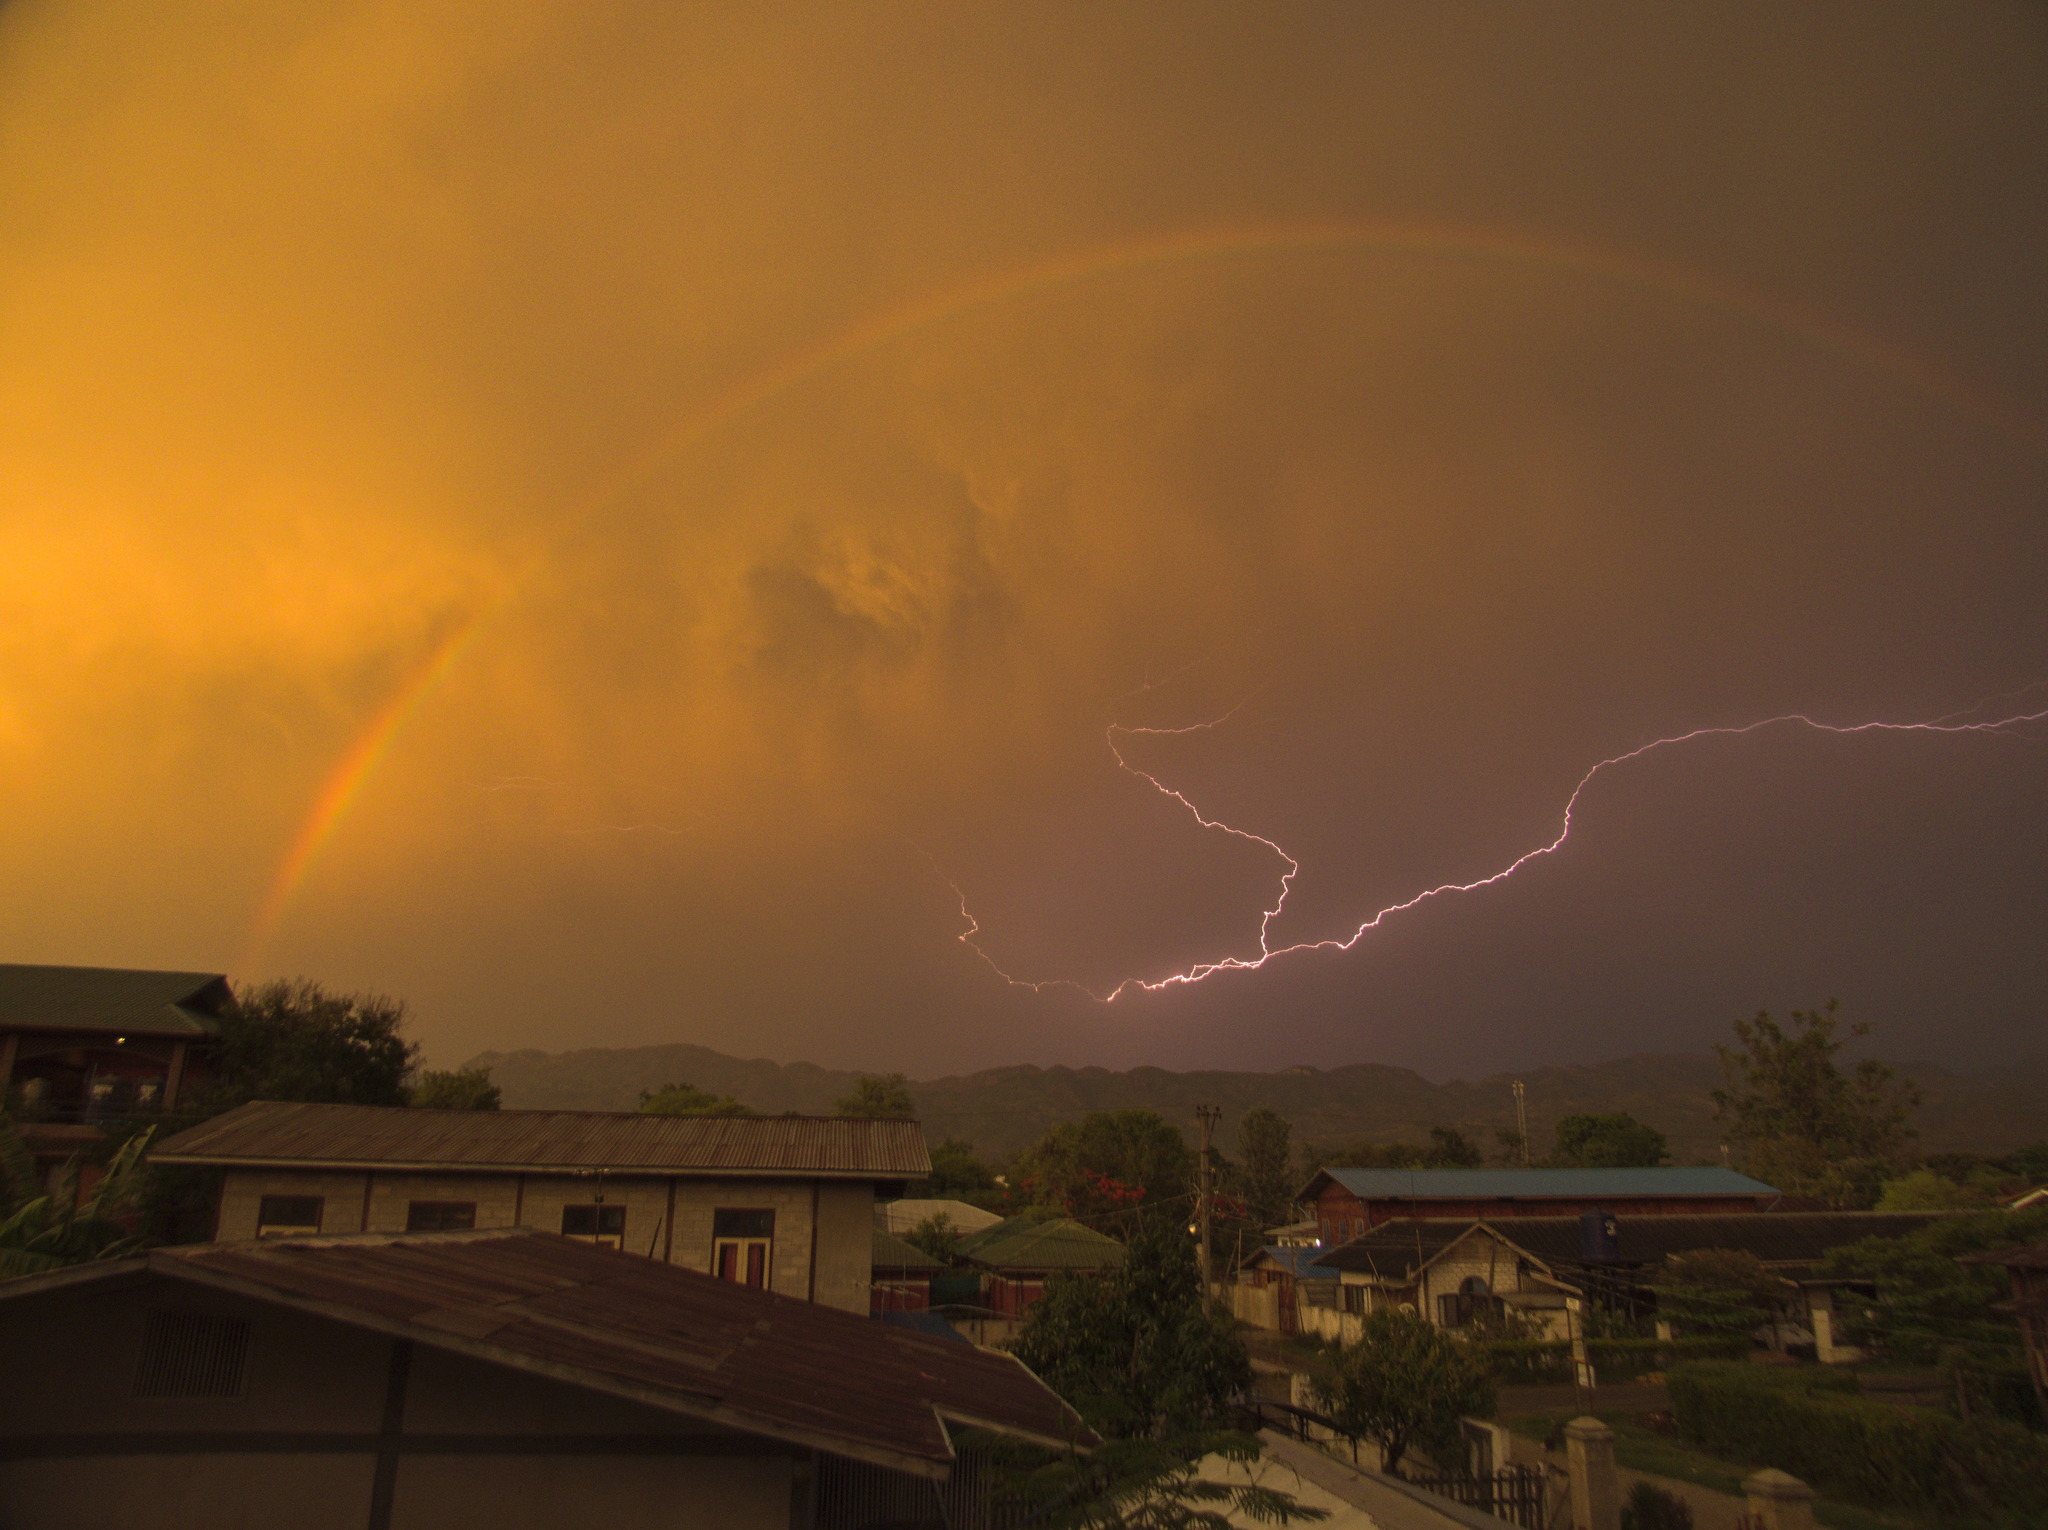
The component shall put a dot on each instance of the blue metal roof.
(1536, 1184)
(1298, 1261)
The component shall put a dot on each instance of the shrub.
(1651, 1508)
(1875, 1453)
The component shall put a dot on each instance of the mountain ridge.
(1005, 1109)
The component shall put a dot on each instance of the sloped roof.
(1394, 1250)
(271, 1133)
(112, 1000)
(901, 1216)
(892, 1253)
(616, 1323)
(1535, 1184)
(1023, 1243)
(1296, 1259)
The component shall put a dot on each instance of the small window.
(440, 1216)
(595, 1224)
(1354, 1299)
(192, 1354)
(740, 1243)
(284, 1216)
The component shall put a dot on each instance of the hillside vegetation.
(1004, 1110)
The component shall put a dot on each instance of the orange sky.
(589, 518)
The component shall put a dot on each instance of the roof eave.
(431, 1166)
(708, 1410)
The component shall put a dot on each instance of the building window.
(1354, 1299)
(440, 1216)
(192, 1354)
(286, 1216)
(596, 1224)
(740, 1241)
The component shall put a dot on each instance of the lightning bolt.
(1200, 971)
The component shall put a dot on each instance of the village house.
(1016, 1257)
(1455, 1271)
(512, 1378)
(1348, 1203)
(900, 1275)
(82, 1046)
(784, 1203)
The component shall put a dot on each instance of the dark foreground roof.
(1029, 1243)
(1393, 1250)
(630, 1327)
(113, 1000)
(268, 1133)
(1535, 1184)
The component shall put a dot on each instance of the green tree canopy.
(1802, 1122)
(1266, 1177)
(1925, 1190)
(46, 1227)
(935, 1235)
(688, 1100)
(293, 1040)
(1406, 1382)
(1136, 1349)
(459, 1089)
(1109, 1161)
(1447, 1148)
(1618, 1141)
(1718, 1293)
(1925, 1302)
(882, 1097)
(958, 1175)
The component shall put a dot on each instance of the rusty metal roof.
(111, 1000)
(271, 1133)
(612, 1322)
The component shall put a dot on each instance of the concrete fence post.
(1779, 1501)
(1596, 1486)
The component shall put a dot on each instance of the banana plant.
(46, 1228)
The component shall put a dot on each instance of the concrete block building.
(781, 1203)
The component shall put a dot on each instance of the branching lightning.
(1268, 952)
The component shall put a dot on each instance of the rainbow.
(344, 783)
(1580, 258)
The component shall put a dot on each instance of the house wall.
(844, 1213)
(75, 1447)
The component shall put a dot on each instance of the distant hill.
(1002, 1110)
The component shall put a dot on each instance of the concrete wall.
(667, 1217)
(325, 1384)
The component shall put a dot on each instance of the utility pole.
(1208, 1116)
(1522, 1120)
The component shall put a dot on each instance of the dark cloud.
(721, 475)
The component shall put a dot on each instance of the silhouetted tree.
(459, 1089)
(689, 1100)
(1617, 1141)
(1264, 1143)
(293, 1040)
(1407, 1382)
(884, 1097)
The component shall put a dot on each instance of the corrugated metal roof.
(1393, 1250)
(892, 1253)
(711, 1349)
(902, 1216)
(114, 1000)
(1534, 1184)
(1025, 1243)
(271, 1132)
(1296, 1259)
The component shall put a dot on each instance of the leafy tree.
(1141, 1484)
(47, 1227)
(1618, 1141)
(1406, 1382)
(1109, 1161)
(1136, 1349)
(689, 1100)
(1716, 1292)
(935, 1235)
(1264, 1142)
(882, 1097)
(1803, 1123)
(1448, 1148)
(1649, 1507)
(1925, 1190)
(461, 1089)
(958, 1175)
(1929, 1309)
(293, 1040)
